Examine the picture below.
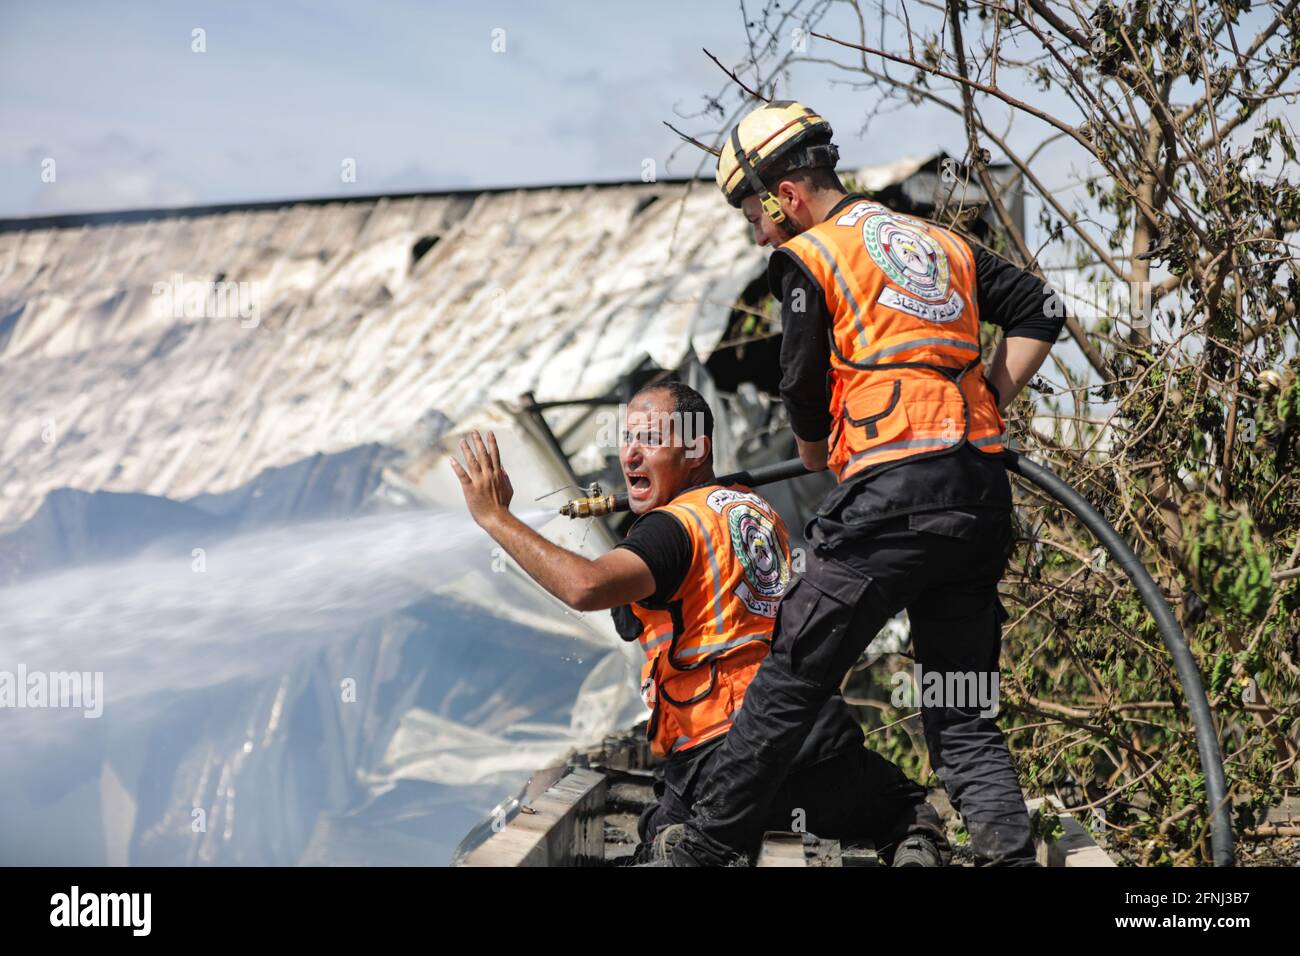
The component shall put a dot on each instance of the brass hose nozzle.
(595, 503)
(589, 507)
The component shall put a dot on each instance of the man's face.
(765, 231)
(794, 199)
(659, 452)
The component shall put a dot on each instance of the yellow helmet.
(772, 140)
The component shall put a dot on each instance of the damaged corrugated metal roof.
(349, 338)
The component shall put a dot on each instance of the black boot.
(696, 849)
(917, 850)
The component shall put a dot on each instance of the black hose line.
(766, 475)
(1207, 740)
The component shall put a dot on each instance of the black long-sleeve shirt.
(1017, 301)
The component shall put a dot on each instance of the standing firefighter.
(882, 378)
(697, 582)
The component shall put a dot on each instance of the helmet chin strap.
(771, 205)
(784, 223)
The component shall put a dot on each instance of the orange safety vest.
(906, 378)
(703, 646)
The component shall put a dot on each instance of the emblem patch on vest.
(914, 261)
(754, 541)
(718, 500)
(948, 311)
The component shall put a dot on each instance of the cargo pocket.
(950, 523)
(681, 772)
(985, 534)
(690, 687)
(877, 412)
(812, 634)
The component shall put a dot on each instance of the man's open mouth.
(638, 484)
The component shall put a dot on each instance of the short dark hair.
(686, 402)
(818, 177)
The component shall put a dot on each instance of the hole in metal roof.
(644, 204)
(422, 246)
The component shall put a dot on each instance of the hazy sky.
(411, 90)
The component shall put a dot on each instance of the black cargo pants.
(853, 794)
(943, 567)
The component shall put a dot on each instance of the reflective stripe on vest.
(905, 348)
(704, 646)
(652, 641)
(719, 646)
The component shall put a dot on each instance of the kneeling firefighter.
(882, 378)
(697, 582)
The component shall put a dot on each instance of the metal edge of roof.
(112, 217)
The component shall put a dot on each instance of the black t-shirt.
(660, 540)
(1009, 297)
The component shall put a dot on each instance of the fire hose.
(597, 503)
